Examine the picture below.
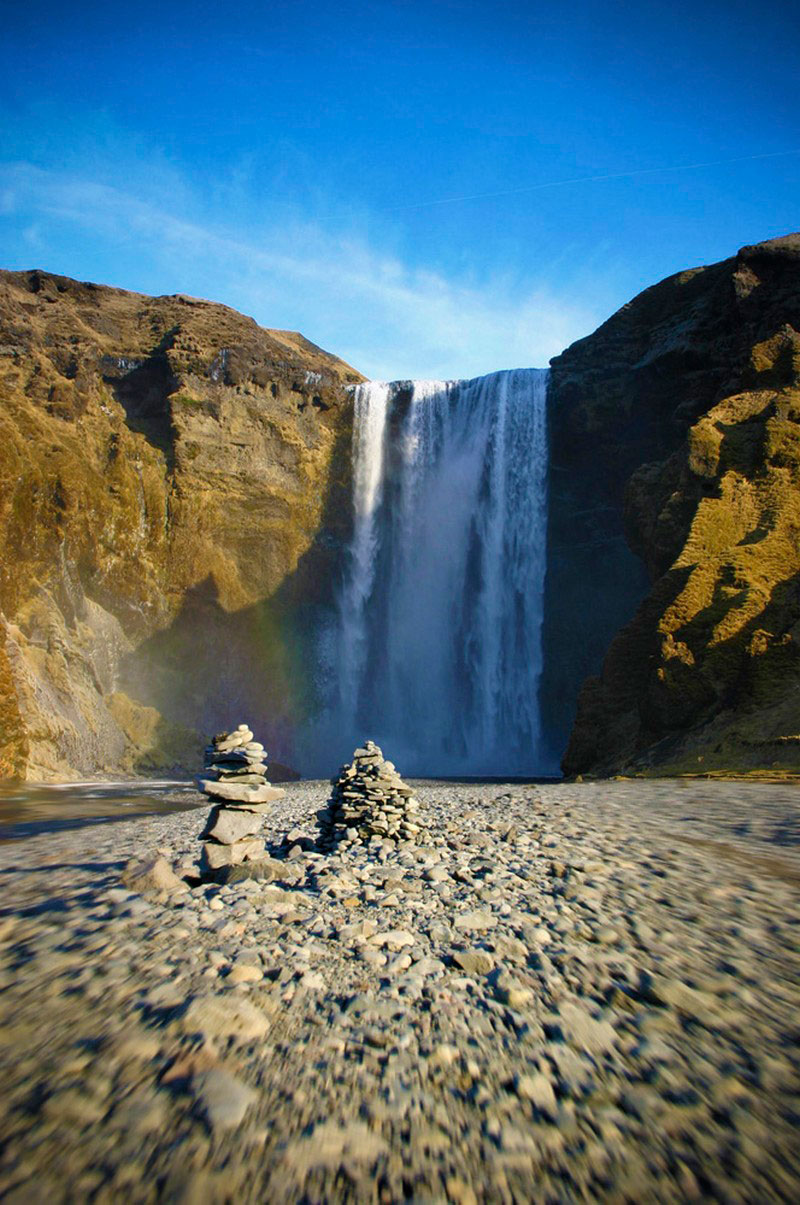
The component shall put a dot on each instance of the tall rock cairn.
(369, 803)
(236, 775)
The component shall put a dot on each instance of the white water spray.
(369, 423)
(440, 614)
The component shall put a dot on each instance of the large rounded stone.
(228, 825)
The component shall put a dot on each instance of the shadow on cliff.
(608, 713)
(733, 707)
(143, 393)
(212, 668)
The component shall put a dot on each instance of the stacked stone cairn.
(369, 803)
(237, 777)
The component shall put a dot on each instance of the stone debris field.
(570, 992)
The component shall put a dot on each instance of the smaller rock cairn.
(238, 765)
(369, 802)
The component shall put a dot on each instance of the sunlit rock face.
(675, 489)
(167, 468)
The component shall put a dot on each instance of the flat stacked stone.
(237, 766)
(236, 776)
(369, 802)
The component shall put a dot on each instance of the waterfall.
(438, 643)
(369, 423)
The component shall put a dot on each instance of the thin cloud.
(386, 317)
(639, 171)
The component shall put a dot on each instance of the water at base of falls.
(436, 652)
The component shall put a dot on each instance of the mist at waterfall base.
(435, 648)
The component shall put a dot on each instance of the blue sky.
(370, 173)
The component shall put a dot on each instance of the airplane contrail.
(642, 171)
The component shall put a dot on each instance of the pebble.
(224, 1017)
(514, 994)
(394, 939)
(474, 962)
(475, 920)
(245, 974)
(331, 1144)
(444, 1054)
(229, 825)
(539, 1091)
(152, 873)
(459, 1193)
(222, 1098)
(585, 1032)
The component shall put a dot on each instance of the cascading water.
(369, 423)
(438, 647)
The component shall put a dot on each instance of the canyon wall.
(175, 499)
(675, 523)
(174, 493)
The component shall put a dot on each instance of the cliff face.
(675, 438)
(175, 494)
(173, 488)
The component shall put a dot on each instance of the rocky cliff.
(175, 494)
(173, 486)
(675, 444)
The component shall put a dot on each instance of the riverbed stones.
(369, 803)
(237, 769)
(603, 1080)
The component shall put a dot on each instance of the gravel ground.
(572, 992)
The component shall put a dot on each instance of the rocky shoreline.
(572, 991)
